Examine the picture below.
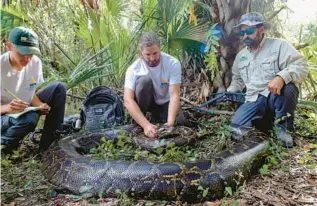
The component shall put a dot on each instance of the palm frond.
(116, 9)
(12, 17)
(92, 66)
(148, 14)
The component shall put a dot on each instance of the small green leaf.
(85, 188)
(205, 192)
(93, 150)
(285, 167)
(136, 156)
(311, 166)
(86, 195)
(301, 161)
(264, 170)
(120, 143)
(273, 160)
(235, 203)
(159, 150)
(313, 145)
(228, 191)
(164, 202)
(100, 194)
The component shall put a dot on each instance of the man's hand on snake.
(150, 130)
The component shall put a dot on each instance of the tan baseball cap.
(252, 19)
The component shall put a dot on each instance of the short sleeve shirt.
(167, 73)
(21, 83)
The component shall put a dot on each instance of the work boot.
(35, 136)
(9, 144)
(239, 131)
(284, 136)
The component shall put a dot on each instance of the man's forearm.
(3, 109)
(173, 108)
(135, 112)
(236, 84)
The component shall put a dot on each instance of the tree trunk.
(227, 13)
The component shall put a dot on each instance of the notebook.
(28, 109)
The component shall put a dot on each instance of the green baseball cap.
(25, 40)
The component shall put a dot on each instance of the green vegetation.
(86, 44)
(124, 149)
(90, 43)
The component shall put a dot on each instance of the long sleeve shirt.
(274, 57)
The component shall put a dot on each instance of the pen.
(13, 95)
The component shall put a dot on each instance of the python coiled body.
(64, 166)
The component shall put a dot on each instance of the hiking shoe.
(35, 136)
(239, 131)
(284, 137)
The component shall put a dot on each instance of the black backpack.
(102, 109)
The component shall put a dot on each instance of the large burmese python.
(65, 166)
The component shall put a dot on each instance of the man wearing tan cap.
(270, 69)
(21, 74)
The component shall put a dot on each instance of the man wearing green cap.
(270, 69)
(21, 73)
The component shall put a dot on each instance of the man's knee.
(18, 128)
(144, 83)
(29, 120)
(61, 87)
(59, 94)
(250, 111)
(290, 90)
(286, 101)
(290, 86)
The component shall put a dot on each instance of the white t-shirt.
(20, 83)
(168, 72)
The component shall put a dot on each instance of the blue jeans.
(13, 130)
(261, 113)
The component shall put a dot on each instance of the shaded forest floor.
(289, 176)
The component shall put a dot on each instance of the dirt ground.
(292, 182)
(289, 179)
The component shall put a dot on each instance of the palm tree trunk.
(227, 13)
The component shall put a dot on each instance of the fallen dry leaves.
(295, 185)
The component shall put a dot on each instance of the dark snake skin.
(66, 167)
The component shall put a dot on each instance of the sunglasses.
(248, 31)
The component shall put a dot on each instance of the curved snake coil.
(66, 167)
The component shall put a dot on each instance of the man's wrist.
(170, 124)
(280, 77)
(37, 104)
(145, 124)
(4, 109)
